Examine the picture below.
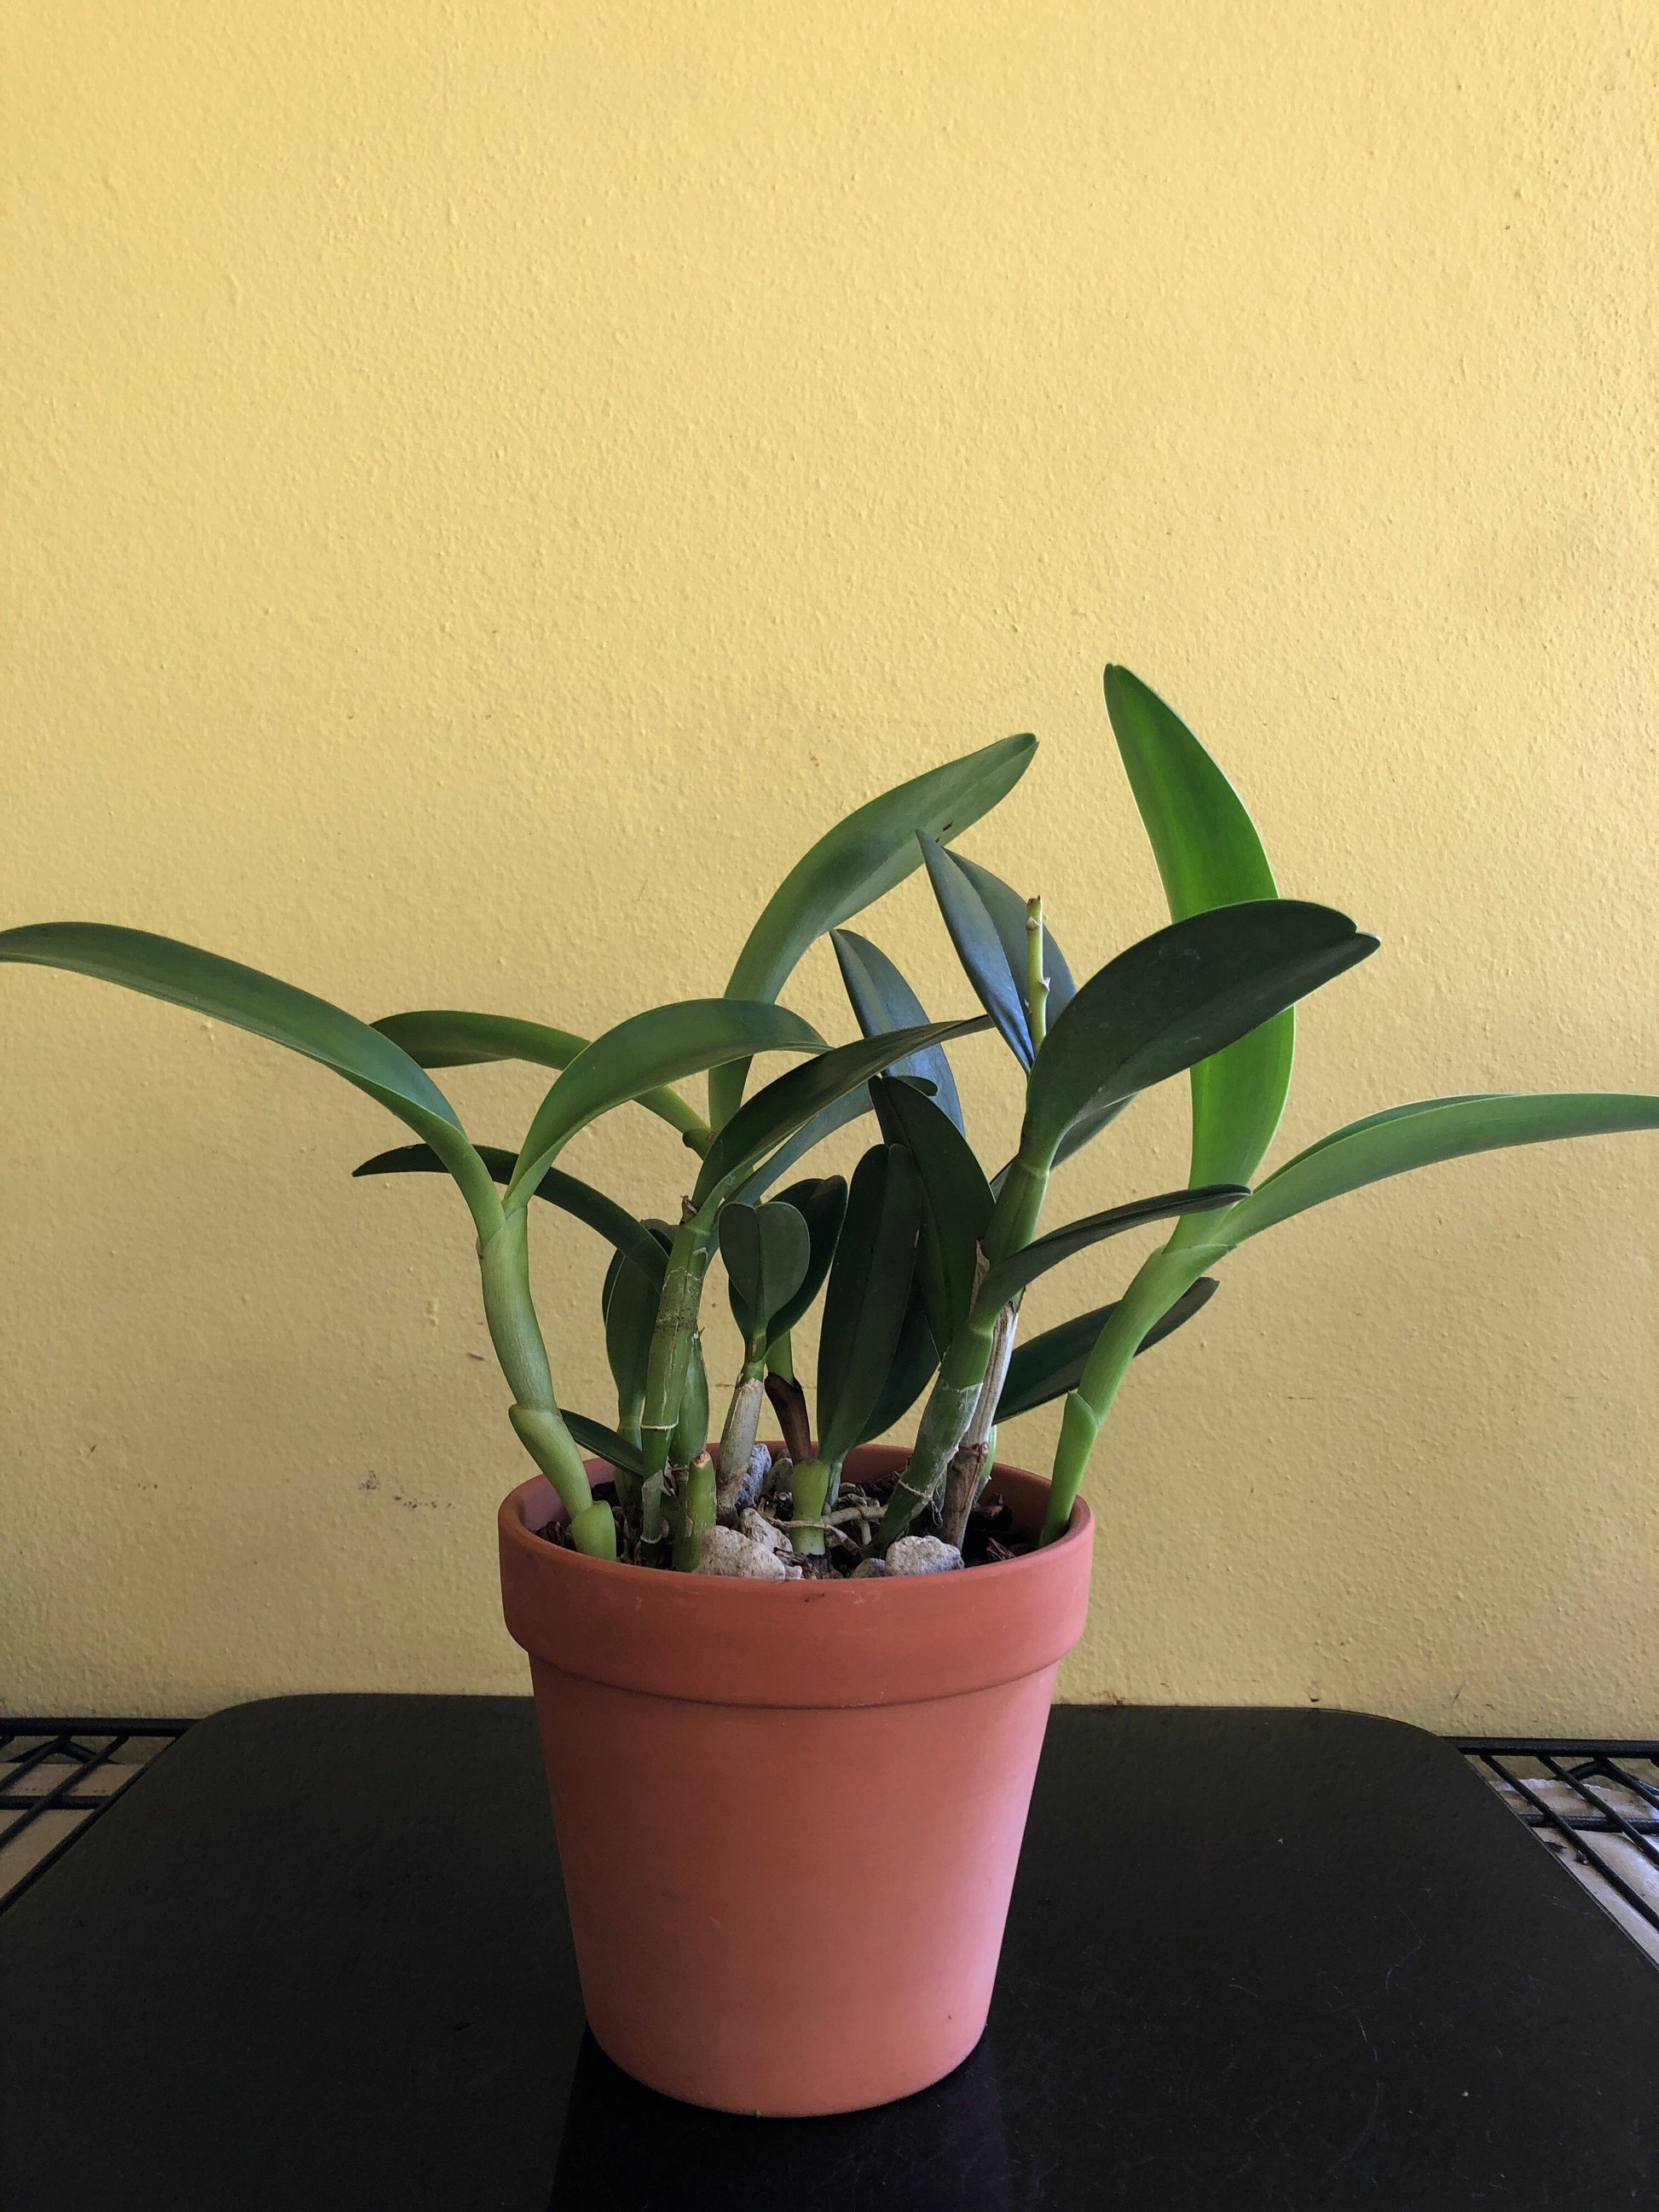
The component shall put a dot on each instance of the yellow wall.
(464, 459)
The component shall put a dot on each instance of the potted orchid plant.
(757, 1663)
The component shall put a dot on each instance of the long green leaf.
(1208, 856)
(1010, 1276)
(955, 1201)
(224, 990)
(614, 1223)
(1176, 997)
(1046, 1366)
(649, 1049)
(915, 1358)
(998, 986)
(773, 1116)
(868, 1294)
(1422, 1135)
(445, 1037)
(1007, 909)
(859, 859)
(882, 999)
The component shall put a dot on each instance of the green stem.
(1036, 983)
(1161, 1280)
(671, 1339)
(810, 1488)
(696, 1513)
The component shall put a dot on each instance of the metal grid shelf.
(1596, 1806)
(57, 1777)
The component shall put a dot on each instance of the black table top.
(318, 1956)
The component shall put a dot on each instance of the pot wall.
(789, 1814)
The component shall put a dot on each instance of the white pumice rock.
(869, 1570)
(725, 1552)
(754, 1480)
(922, 1555)
(760, 1530)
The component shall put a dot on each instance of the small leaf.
(822, 1204)
(443, 1038)
(1209, 856)
(859, 859)
(1422, 1135)
(647, 1050)
(613, 1222)
(883, 1000)
(1006, 910)
(869, 1290)
(996, 985)
(956, 1202)
(1010, 1276)
(1046, 1366)
(1176, 998)
(603, 1442)
(767, 1250)
(773, 1114)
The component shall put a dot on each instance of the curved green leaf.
(1176, 998)
(224, 990)
(767, 1250)
(628, 1304)
(1010, 1276)
(868, 1293)
(881, 1000)
(647, 1050)
(822, 1204)
(773, 1116)
(613, 1222)
(445, 1037)
(1046, 1367)
(955, 1201)
(852, 1107)
(1007, 909)
(1422, 1135)
(998, 986)
(1208, 856)
(859, 859)
(603, 1442)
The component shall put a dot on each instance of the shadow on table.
(623, 2145)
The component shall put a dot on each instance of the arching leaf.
(612, 1222)
(955, 1201)
(868, 1293)
(1046, 1366)
(603, 1442)
(979, 948)
(852, 866)
(1012, 1275)
(916, 1361)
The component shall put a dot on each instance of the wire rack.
(1596, 1806)
(57, 1777)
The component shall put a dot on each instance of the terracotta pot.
(788, 1814)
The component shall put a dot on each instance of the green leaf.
(603, 1442)
(773, 1114)
(859, 859)
(1209, 856)
(630, 1307)
(881, 1000)
(644, 1051)
(1422, 1135)
(916, 1359)
(1046, 1367)
(443, 1038)
(955, 1201)
(997, 985)
(612, 1222)
(767, 1250)
(1010, 1276)
(1176, 997)
(812, 1134)
(822, 1204)
(869, 1290)
(162, 967)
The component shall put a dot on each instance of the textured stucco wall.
(464, 459)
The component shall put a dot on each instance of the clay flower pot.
(788, 1814)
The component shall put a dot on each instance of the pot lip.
(991, 1575)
